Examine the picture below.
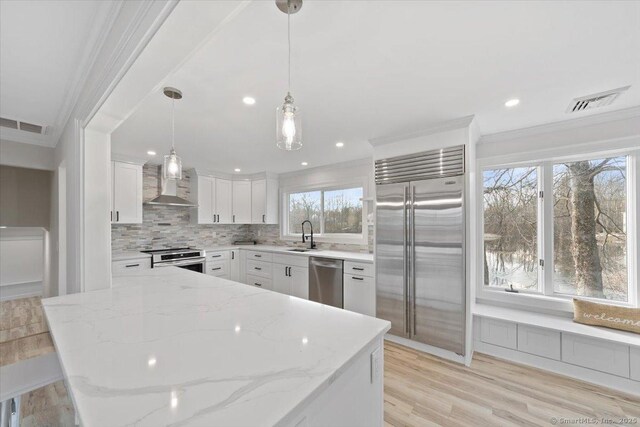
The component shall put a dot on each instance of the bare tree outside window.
(343, 211)
(510, 228)
(303, 206)
(590, 240)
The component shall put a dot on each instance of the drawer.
(217, 256)
(359, 294)
(260, 282)
(635, 363)
(359, 268)
(539, 341)
(291, 260)
(119, 267)
(605, 356)
(260, 256)
(218, 268)
(259, 268)
(499, 332)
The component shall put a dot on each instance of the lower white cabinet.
(217, 264)
(291, 280)
(260, 282)
(234, 265)
(539, 341)
(499, 332)
(359, 294)
(600, 355)
(635, 363)
(126, 266)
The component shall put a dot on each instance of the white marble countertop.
(345, 255)
(173, 347)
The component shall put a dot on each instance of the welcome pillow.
(610, 316)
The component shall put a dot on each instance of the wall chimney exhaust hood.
(167, 197)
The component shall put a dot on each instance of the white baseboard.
(584, 374)
(21, 290)
(426, 348)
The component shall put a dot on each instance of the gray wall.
(25, 197)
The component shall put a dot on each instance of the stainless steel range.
(188, 258)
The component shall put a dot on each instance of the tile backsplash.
(170, 226)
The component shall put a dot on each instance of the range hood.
(167, 195)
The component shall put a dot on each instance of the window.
(585, 225)
(332, 212)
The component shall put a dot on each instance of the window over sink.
(336, 213)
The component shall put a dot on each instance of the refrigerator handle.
(412, 260)
(405, 260)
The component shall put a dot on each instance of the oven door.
(193, 264)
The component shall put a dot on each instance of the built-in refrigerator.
(420, 247)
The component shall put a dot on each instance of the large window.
(332, 212)
(577, 210)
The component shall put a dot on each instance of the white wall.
(22, 267)
(26, 155)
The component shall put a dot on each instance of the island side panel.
(355, 398)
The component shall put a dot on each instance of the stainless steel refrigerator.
(420, 247)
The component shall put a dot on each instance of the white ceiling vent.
(27, 127)
(596, 100)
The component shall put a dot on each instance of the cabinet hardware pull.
(132, 265)
(117, 216)
(263, 220)
(216, 256)
(257, 268)
(234, 218)
(111, 215)
(257, 284)
(357, 268)
(257, 256)
(289, 271)
(217, 268)
(356, 278)
(233, 254)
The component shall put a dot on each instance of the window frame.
(319, 236)
(547, 298)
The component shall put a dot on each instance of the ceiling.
(45, 50)
(375, 69)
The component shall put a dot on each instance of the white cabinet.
(601, 355)
(218, 264)
(130, 265)
(499, 332)
(539, 341)
(299, 277)
(635, 363)
(264, 201)
(260, 282)
(291, 275)
(359, 294)
(224, 201)
(234, 265)
(281, 280)
(242, 202)
(126, 199)
(214, 198)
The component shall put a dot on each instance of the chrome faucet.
(304, 239)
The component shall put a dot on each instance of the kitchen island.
(173, 347)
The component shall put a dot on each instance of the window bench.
(595, 354)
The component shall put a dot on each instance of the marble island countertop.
(173, 347)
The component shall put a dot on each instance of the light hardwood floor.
(424, 390)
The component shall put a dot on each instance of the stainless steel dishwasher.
(325, 281)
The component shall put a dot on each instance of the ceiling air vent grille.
(596, 100)
(8, 123)
(24, 126)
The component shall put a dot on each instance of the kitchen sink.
(298, 250)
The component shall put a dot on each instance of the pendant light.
(172, 165)
(288, 123)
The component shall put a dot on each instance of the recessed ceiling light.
(151, 153)
(512, 102)
(339, 144)
(304, 163)
(249, 100)
(236, 170)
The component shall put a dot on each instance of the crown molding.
(459, 123)
(565, 125)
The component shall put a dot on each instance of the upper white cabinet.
(214, 198)
(242, 202)
(126, 199)
(264, 201)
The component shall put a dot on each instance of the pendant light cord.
(173, 121)
(289, 40)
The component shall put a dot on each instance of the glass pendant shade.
(288, 126)
(172, 166)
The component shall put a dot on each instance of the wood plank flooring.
(424, 390)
